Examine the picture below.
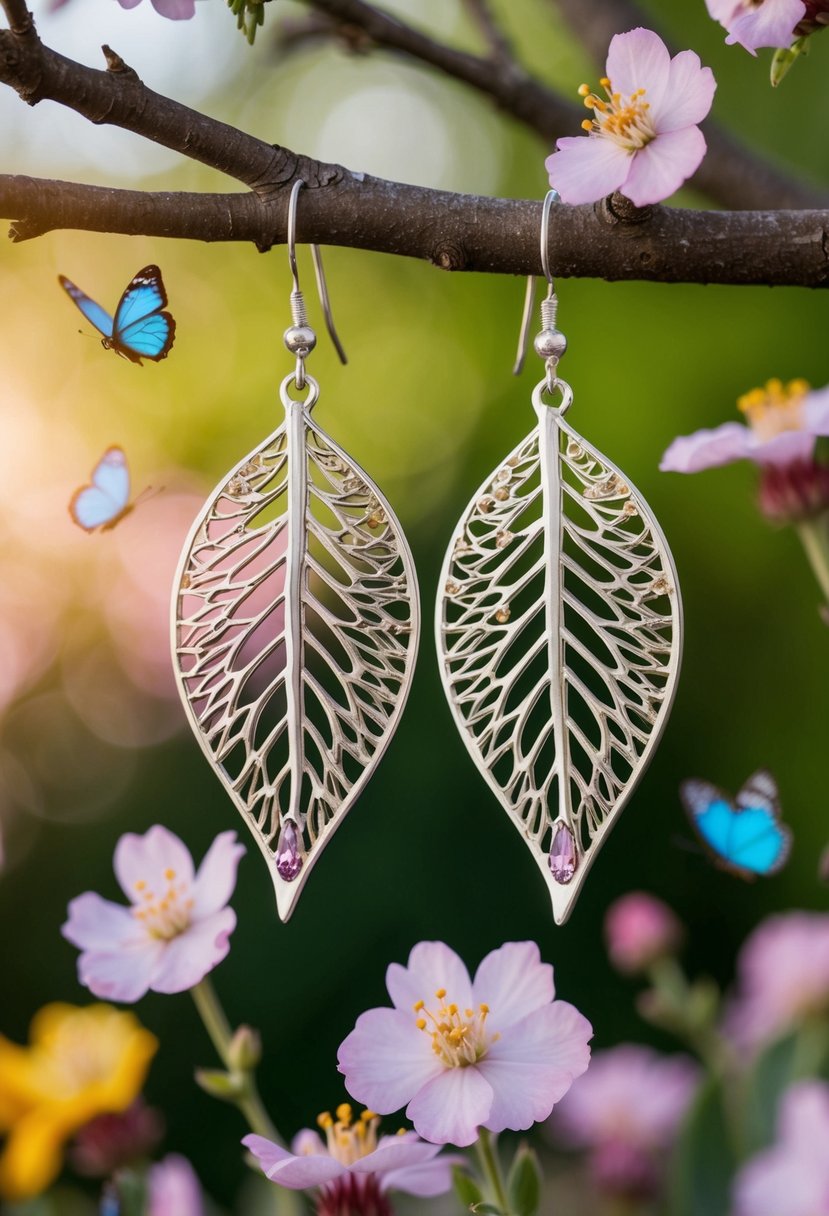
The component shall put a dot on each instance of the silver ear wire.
(300, 338)
(550, 344)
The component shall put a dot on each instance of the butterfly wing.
(140, 328)
(760, 842)
(747, 838)
(93, 312)
(103, 503)
(712, 815)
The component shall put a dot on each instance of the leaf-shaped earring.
(295, 624)
(559, 629)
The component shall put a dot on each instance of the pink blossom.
(639, 930)
(643, 138)
(783, 423)
(174, 1189)
(176, 928)
(497, 1051)
(754, 24)
(175, 10)
(792, 1177)
(353, 1166)
(626, 1111)
(783, 976)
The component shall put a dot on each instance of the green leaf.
(785, 57)
(704, 1160)
(466, 1188)
(772, 1073)
(524, 1183)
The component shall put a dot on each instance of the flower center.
(167, 914)
(776, 408)
(625, 120)
(349, 1140)
(459, 1037)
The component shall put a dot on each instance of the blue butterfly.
(140, 329)
(744, 837)
(105, 502)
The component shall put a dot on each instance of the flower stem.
(814, 536)
(492, 1170)
(218, 1028)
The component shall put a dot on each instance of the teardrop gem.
(288, 856)
(563, 860)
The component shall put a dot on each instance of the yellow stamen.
(344, 1113)
(775, 408)
(324, 1120)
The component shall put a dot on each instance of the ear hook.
(548, 315)
(297, 298)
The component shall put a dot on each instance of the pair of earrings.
(296, 626)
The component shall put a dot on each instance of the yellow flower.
(81, 1062)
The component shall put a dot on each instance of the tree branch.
(730, 174)
(454, 231)
(500, 48)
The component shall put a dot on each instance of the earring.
(295, 623)
(559, 628)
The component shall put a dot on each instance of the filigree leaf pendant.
(559, 630)
(295, 633)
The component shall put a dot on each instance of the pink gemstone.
(288, 856)
(563, 860)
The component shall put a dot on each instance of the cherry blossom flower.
(643, 138)
(496, 1052)
(626, 1111)
(757, 23)
(639, 930)
(783, 976)
(353, 1167)
(175, 10)
(173, 1188)
(793, 1175)
(176, 928)
(783, 423)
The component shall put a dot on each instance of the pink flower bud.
(640, 929)
(793, 492)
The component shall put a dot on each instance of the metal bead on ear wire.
(559, 627)
(295, 623)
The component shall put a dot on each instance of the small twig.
(500, 47)
(18, 16)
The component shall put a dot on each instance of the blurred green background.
(427, 405)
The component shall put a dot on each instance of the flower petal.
(296, 1173)
(186, 959)
(533, 1065)
(216, 877)
(31, 1157)
(451, 1108)
(174, 1188)
(97, 924)
(175, 10)
(690, 94)
(639, 59)
(307, 1143)
(816, 412)
(429, 1179)
(147, 859)
(707, 449)
(386, 1060)
(587, 168)
(120, 975)
(513, 981)
(659, 169)
(266, 1151)
(431, 966)
(804, 1119)
(785, 448)
(772, 24)
(394, 1153)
